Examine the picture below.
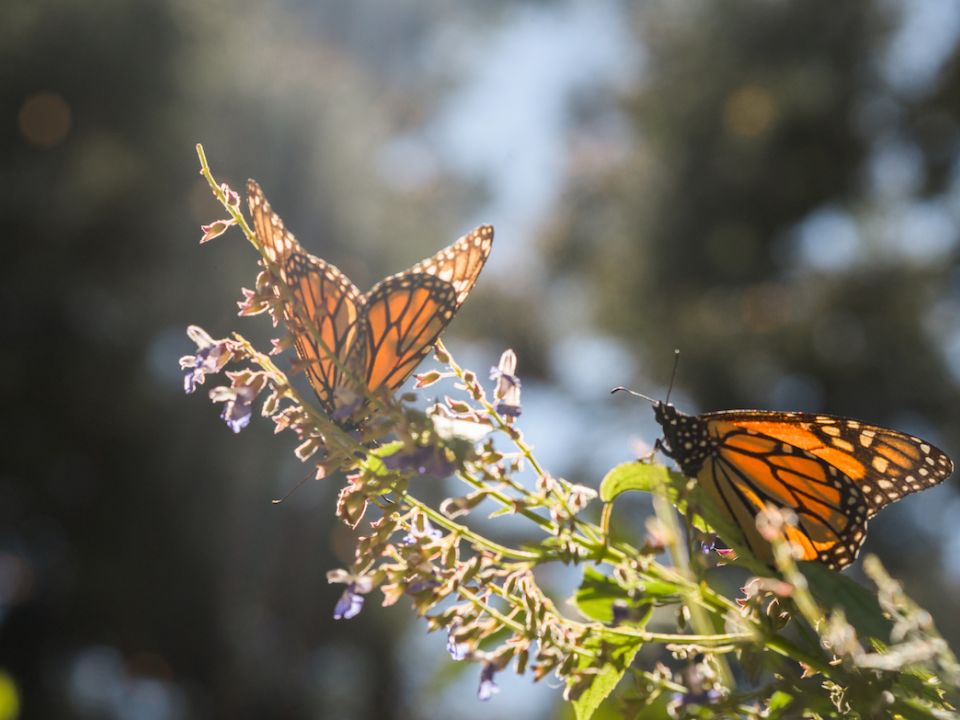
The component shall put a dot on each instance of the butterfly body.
(362, 343)
(834, 473)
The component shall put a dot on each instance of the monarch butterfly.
(835, 473)
(377, 338)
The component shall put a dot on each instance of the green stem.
(221, 196)
(508, 502)
(784, 647)
(467, 534)
(668, 516)
(660, 682)
(518, 628)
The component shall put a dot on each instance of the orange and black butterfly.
(377, 338)
(834, 473)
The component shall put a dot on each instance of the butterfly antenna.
(635, 393)
(673, 374)
(291, 491)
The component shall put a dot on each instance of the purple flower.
(210, 358)
(458, 651)
(488, 688)
(702, 697)
(238, 408)
(428, 531)
(351, 601)
(713, 544)
(697, 693)
(508, 410)
(427, 460)
(507, 392)
(349, 605)
(346, 404)
(419, 586)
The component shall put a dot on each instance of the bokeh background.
(773, 187)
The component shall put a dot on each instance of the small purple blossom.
(508, 410)
(349, 605)
(697, 692)
(429, 461)
(211, 356)
(423, 585)
(488, 688)
(507, 391)
(238, 408)
(351, 601)
(347, 403)
(204, 361)
(702, 697)
(713, 544)
(457, 650)
(428, 531)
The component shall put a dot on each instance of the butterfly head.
(685, 437)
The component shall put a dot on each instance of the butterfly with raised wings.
(833, 472)
(370, 341)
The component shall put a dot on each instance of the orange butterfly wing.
(405, 313)
(375, 340)
(325, 297)
(834, 473)
(885, 464)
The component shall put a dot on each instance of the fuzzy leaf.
(621, 652)
(686, 497)
(862, 610)
(374, 461)
(597, 594)
(644, 477)
(778, 703)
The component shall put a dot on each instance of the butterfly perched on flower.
(370, 341)
(834, 473)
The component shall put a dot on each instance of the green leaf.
(618, 654)
(597, 594)
(373, 463)
(657, 480)
(685, 495)
(778, 703)
(644, 477)
(861, 607)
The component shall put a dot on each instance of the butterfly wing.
(885, 464)
(834, 473)
(325, 298)
(405, 313)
